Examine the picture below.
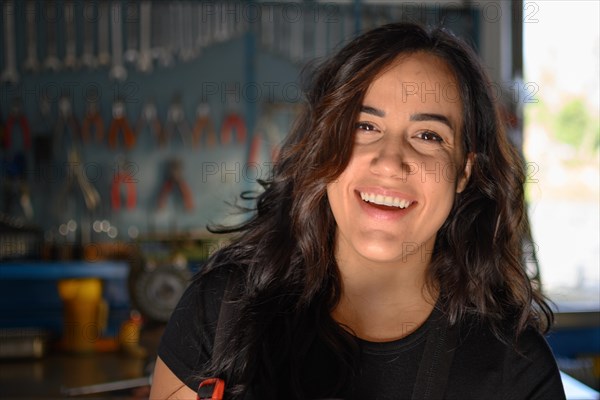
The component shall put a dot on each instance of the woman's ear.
(463, 178)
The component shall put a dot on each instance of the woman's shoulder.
(209, 284)
(499, 337)
(489, 359)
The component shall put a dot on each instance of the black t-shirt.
(482, 368)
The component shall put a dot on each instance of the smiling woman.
(383, 260)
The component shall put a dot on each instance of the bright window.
(561, 144)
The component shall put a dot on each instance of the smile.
(382, 200)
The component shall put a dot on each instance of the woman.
(384, 258)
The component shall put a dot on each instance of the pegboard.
(210, 58)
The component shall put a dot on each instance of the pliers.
(16, 116)
(15, 184)
(124, 176)
(176, 122)
(175, 178)
(118, 124)
(91, 196)
(203, 126)
(149, 118)
(92, 119)
(66, 121)
(233, 122)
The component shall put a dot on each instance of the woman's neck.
(383, 302)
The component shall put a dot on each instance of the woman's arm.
(167, 386)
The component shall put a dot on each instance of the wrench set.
(117, 34)
(127, 34)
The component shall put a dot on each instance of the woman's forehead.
(415, 81)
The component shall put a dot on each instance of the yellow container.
(84, 311)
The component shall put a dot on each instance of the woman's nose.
(389, 160)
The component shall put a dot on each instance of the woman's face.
(399, 185)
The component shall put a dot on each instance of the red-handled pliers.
(92, 119)
(119, 123)
(66, 122)
(16, 116)
(203, 126)
(176, 121)
(230, 123)
(175, 178)
(127, 179)
(149, 118)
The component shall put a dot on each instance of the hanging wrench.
(31, 63)
(175, 29)
(71, 40)
(10, 73)
(88, 59)
(145, 58)
(296, 49)
(320, 38)
(187, 52)
(205, 26)
(267, 27)
(117, 71)
(132, 15)
(103, 34)
(161, 21)
(51, 61)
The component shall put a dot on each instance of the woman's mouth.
(385, 201)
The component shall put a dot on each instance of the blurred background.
(128, 126)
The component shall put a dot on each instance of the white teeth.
(384, 200)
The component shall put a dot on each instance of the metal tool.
(132, 19)
(206, 27)
(176, 122)
(10, 73)
(233, 123)
(175, 43)
(92, 119)
(175, 179)
(266, 135)
(103, 33)
(117, 70)
(88, 59)
(17, 116)
(123, 176)
(108, 387)
(187, 51)
(15, 185)
(203, 127)
(320, 38)
(120, 124)
(149, 119)
(145, 58)
(267, 27)
(51, 62)
(70, 60)
(161, 38)
(31, 63)
(66, 122)
(76, 175)
(296, 47)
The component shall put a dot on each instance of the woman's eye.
(365, 126)
(430, 136)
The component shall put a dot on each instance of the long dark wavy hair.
(286, 248)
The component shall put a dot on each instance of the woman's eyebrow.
(373, 111)
(432, 117)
